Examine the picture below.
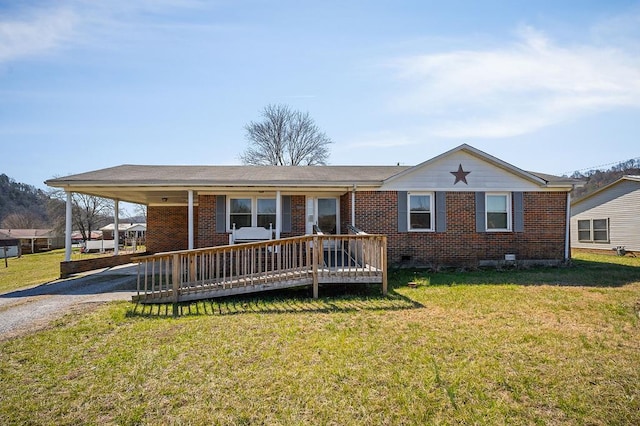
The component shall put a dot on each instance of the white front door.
(323, 212)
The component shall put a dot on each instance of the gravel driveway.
(33, 308)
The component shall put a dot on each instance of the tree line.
(24, 206)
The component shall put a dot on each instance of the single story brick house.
(609, 217)
(463, 207)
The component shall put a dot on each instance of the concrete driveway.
(33, 308)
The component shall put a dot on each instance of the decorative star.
(460, 175)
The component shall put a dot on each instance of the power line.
(601, 166)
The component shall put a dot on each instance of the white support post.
(116, 228)
(278, 214)
(190, 214)
(67, 229)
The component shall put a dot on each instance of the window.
(240, 212)
(252, 211)
(420, 212)
(593, 230)
(498, 212)
(601, 230)
(584, 230)
(266, 212)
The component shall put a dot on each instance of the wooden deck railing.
(244, 268)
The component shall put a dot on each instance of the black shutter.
(441, 211)
(481, 225)
(221, 214)
(403, 226)
(518, 212)
(286, 213)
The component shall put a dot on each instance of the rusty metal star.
(460, 175)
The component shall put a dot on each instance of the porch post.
(67, 230)
(278, 214)
(190, 214)
(116, 228)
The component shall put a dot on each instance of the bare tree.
(285, 138)
(140, 211)
(88, 212)
(22, 220)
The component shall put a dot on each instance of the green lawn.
(30, 269)
(538, 346)
(38, 268)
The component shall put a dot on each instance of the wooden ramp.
(261, 266)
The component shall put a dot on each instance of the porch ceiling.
(179, 196)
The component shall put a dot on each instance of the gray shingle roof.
(130, 174)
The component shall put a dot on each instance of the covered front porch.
(202, 207)
(310, 260)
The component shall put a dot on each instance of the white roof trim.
(479, 154)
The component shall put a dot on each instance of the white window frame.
(592, 231)
(275, 213)
(585, 240)
(254, 208)
(431, 212)
(507, 195)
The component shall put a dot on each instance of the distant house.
(9, 246)
(35, 240)
(462, 207)
(77, 238)
(126, 231)
(609, 217)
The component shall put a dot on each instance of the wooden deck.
(310, 260)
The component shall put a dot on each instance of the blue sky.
(549, 86)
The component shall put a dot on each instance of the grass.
(38, 268)
(30, 269)
(538, 346)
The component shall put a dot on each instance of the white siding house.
(609, 217)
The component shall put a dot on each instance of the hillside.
(25, 201)
(596, 179)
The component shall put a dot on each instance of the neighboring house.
(35, 240)
(609, 217)
(9, 246)
(126, 231)
(77, 238)
(463, 207)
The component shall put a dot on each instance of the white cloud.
(33, 31)
(529, 84)
(38, 33)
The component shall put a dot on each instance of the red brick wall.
(376, 213)
(345, 212)
(206, 235)
(76, 266)
(543, 236)
(298, 212)
(167, 228)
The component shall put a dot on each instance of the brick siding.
(543, 237)
(76, 266)
(167, 228)
(377, 213)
